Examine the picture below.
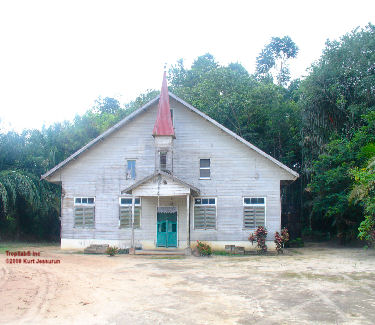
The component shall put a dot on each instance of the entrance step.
(160, 251)
(96, 249)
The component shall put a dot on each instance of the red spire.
(163, 124)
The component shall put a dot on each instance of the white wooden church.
(166, 176)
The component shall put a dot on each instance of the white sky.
(57, 57)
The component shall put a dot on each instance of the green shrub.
(315, 235)
(298, 242)
(112, 250)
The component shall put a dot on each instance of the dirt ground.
(314, 285)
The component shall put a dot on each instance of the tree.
(28, 206)
(262, 113)
(332, 204)
(273, 59)
(364, 193)
(339, 89)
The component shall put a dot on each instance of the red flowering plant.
(260, 236)
(280, 240)
(252, 238)
(203, 249)
(284, 235)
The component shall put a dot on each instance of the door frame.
(156, 223)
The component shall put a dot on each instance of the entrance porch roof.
(161, 184)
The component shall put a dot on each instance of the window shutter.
(254, 216)
(78, 216)
(126, 217)
(84, 216)
(204, 217)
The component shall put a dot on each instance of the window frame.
(204, 168)
(166, 160)
(129, 205)
(81, 204)
(254, 205)
(208, 204)
(135, 169)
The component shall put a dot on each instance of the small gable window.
(205, 213)
(254, 212)
(172, 116)
(163, 160)
(130, 171)
(125, 215)
(84, 212)
(205, 168)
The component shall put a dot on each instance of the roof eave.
(236, 136)
(100, 137)
(129, 189)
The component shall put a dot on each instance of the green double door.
(167, 229)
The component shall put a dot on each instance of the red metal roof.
(163, 124)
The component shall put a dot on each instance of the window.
(125, 215)
(163, 160)
(84, 212)
(172, 116)
(130, 172)
(205, 213)
(254, 212)
(205, 168)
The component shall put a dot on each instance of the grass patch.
(13, 246)
(222, 253)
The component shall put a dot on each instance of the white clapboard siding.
(236, 172)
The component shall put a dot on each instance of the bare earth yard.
(314, 285)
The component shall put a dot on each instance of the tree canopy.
(272, 62)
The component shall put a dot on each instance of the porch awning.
(161, 184)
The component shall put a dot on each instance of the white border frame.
(254, 205)
(166, 159)
(129, 205)
(204, 197)
(83, 205)
(84, 197)
(209, 168)
(126, 169)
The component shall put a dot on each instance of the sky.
(58, 57)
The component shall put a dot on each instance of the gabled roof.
(144, 108)
(163, 124)
(129, 189)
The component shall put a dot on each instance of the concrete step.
(160, 252)
(96, 249)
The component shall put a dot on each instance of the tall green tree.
(339, 89)
(272, 62)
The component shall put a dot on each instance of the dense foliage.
(338, 133)
(322, 126)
